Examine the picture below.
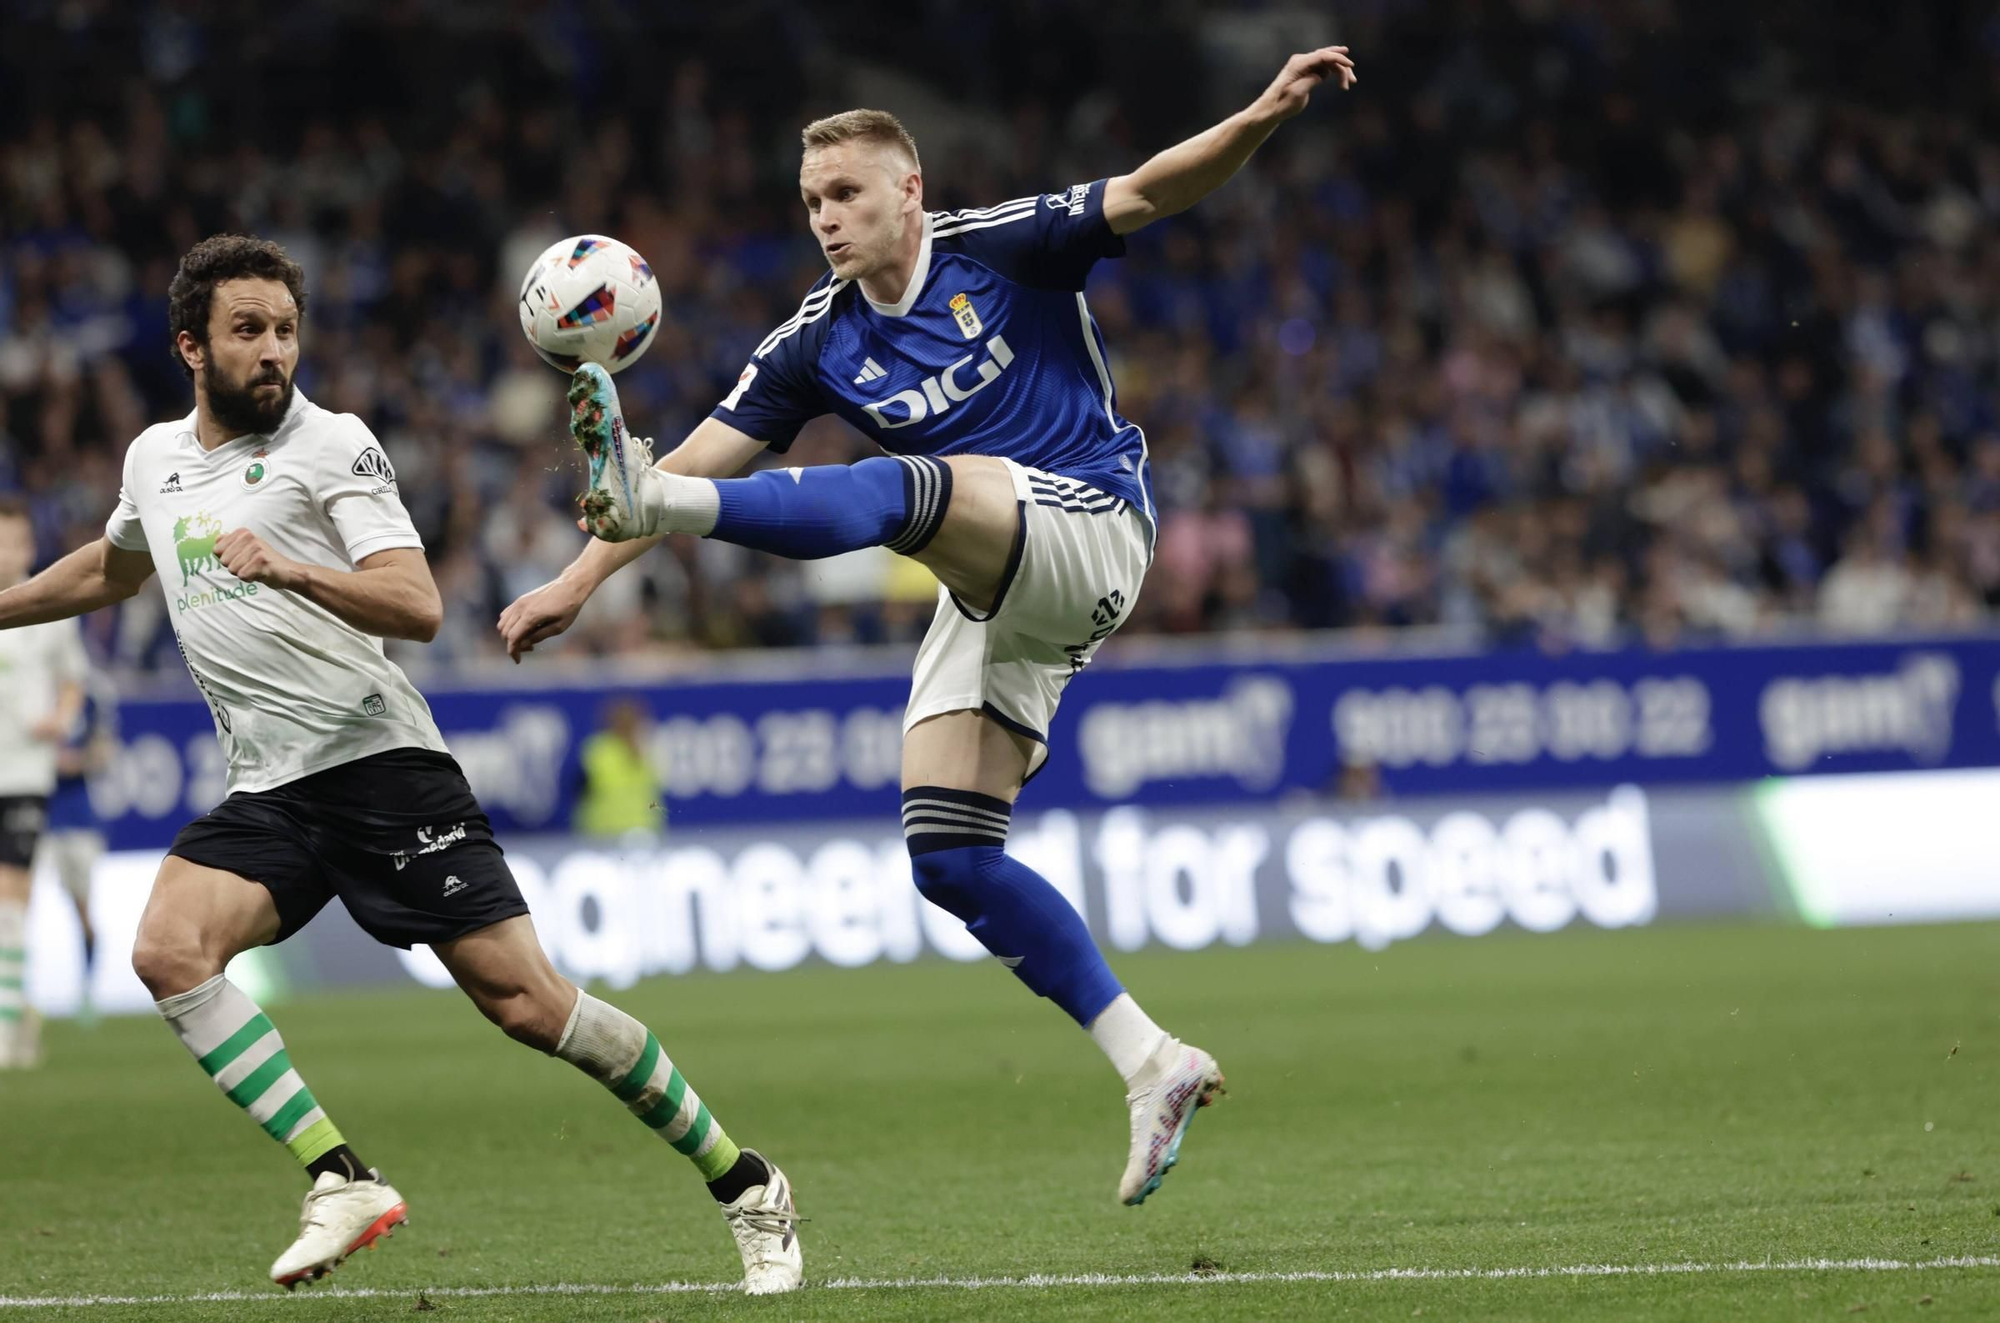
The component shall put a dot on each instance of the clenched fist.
(246, 556)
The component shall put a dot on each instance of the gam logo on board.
(1909, 710)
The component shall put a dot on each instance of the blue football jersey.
(992, 351)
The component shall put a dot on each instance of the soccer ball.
(590, 299)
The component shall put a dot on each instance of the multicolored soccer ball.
(590, 299)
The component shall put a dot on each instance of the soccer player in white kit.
(286, 556)
(961, 343)
(73, 840)
(41, 693)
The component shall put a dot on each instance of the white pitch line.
(1040, 1281)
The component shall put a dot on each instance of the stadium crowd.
(1572, 325)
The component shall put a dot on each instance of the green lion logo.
(194, 543)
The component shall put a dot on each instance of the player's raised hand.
(246, 556)
(541, 614)
(1293, 88)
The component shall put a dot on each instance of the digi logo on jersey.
(938, 393)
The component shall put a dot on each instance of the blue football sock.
(896, 502)
(957, 841)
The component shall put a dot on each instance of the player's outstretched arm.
(388, 594)
(94, 575)
(713, 450)
(1187, 172)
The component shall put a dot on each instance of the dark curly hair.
(215, 259)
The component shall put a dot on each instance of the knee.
(170, 961)
(949, 879)
(533, 1015)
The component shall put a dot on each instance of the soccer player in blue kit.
(960, 342)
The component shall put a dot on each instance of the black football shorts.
(397, 836)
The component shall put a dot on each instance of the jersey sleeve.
(1049, 241)
(778, 392)
(124, 530)
(357, 490)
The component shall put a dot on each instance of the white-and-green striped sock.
(13, 971)
(620, 1053)
(234, 1042)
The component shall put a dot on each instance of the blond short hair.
(863, 126)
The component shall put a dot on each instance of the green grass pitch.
(1697, 1095)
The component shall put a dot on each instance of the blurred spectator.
(1575, 325)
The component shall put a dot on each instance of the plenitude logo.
(194, 547)
(196, 600)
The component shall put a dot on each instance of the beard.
(241, 408)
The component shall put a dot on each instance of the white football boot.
(765, 1223)
(1177, 1082)
(621, 465)
(340, 1216)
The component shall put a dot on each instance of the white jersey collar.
(293, 415)
(918, 275)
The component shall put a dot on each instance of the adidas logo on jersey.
(938, 393)
(870, 371)
(172, 484)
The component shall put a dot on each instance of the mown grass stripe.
(1039, 1281)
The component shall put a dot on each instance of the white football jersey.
(35, 660)
(293, 688)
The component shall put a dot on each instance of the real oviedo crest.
(967, 316)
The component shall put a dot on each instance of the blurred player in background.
(286, 556)
(41, 695)
(961, 343)
(74, 841)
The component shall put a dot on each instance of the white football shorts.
(1079, 559)
(74, 852)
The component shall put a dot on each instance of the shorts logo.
(452, 886)
(429, 841)
(374, 464)
(1104, 618)
(373, 705)
(967, 317)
